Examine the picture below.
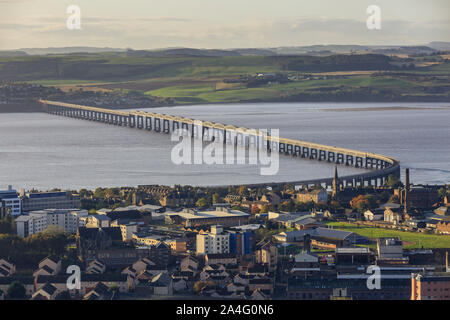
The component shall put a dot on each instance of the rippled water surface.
(46, 151)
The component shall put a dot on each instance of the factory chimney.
(406, 191)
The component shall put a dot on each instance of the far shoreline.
(36, 107)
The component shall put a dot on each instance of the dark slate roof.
(161, 280)
(85, 277)
(125, 214)
(220, 255)
(100, 217)
(47, 268)
(49, 288)
(22, 279)
(3, 271)
(91, 233)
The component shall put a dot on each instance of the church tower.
(335, 183)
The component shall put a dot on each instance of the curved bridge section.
(380, 166)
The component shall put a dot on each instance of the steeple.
(335, 183)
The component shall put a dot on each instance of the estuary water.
(44, 151)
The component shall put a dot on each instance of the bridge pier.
(166, 126)
(349, 160)
(340, 158)
(305, 152)
(148, 123)
(157, 127)
(322, 155)
(331, 156)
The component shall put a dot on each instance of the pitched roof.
(161, 279)
(52, 257)
(48, 288)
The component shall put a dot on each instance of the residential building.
(37, 221)
(316, 195)
(267, 254)
(30, 224)
(392, 215)
(190, 263)
(240, 242)
(127, 229)
(215, 241)
(98, 221)
(50, 265)
(45, 292)
(221, 258)
(6, 268)
(443, 227)
(374, 214)
(177, 245)
(96, 267)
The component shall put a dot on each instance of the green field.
(206, 93)
(200, 79)
(411, 239)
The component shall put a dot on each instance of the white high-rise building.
(37, 221)
(31, 224)
(215, 241)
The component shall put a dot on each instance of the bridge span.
(380, 166)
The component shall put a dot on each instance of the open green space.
(411, 240)
(202, 79)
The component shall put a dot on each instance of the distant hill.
(69, 50)
(12, 53)
(316, 50)
(440, 45)
(182, 52)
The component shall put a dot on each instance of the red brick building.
(430, 287)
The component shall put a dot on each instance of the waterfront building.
(32, 201)
(10, 200)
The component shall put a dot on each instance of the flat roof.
(353, 250)
(191, 214)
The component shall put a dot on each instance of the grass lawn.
(411, 239)
(206, 93)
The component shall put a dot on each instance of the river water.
(43, 151)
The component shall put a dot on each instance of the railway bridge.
(380, 166)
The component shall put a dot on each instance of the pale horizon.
(218, 25)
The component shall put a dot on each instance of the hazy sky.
(146, 24)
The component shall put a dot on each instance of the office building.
(11, 201)
(32, 201)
